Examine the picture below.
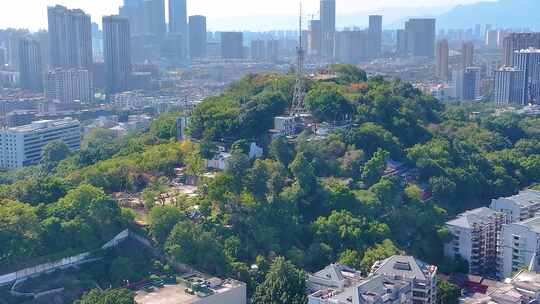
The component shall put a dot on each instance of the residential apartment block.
(519, 207)
(475, 239)
(23, 146)
(421, 276)
(396, 280)
(520, 244)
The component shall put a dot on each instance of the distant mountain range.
(502, 13)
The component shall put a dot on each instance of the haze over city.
(254, 14)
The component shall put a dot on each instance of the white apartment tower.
(519, 207)
(520, 247)
(475, 238)
(69, 85)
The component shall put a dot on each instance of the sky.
(221, 14)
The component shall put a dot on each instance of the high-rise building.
(519, 247)
(178, 23)
(421, 37)
(117, 53)
(197, 36)
(258, 50)
(528, 60)
(30, 67)
(69, 85)
(147, 28)
(442, 60)
(375, 36)
(518, 41)
(467, 84)
(155, 18)
(328, 27)
(401, 43)
(467, 54)
(42, 37)
(315, 36)
(519, 207)
(272, 50)
(352, 46)
(70, 38)
(146, 17)
(134, 12)
(510, 86)
(173, 49)
(97, 42)
(3, 57)
(478, 31)
(492, 37)
(232, 45)
(475, 234)
(178, 17)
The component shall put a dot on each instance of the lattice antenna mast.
(297, 106)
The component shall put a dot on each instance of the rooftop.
(190, 289)
(521, 289)
(528, 50)
(43, 124)
(533, 224)
(404, 266)
(525, 198)
(469, 218)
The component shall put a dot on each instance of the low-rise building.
(285, 126)
(475, 234)
(519, 207)
(197, 288)
(23, 146)
(524, 287)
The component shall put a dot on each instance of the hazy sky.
(32, 13)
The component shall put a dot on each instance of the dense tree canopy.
(283, 284)
(383, 184)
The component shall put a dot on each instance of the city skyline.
(228, 17)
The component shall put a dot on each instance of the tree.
(121, 270)
(370, 137)
(281, 150)
(53, 153)
(44, 190)
(162, 220)
(375, 167)
(164, 127)
(19, 232)
(111, 296)
(284, 283)
(192, 244)
(328, 104)
(348, 73)
(376, 253)
(350, 258)
(448, 293)
(340, 230)
(304, 172)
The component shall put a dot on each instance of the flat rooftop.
(467, 219)
(43, 124)
(525, 198)
(179, 294)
